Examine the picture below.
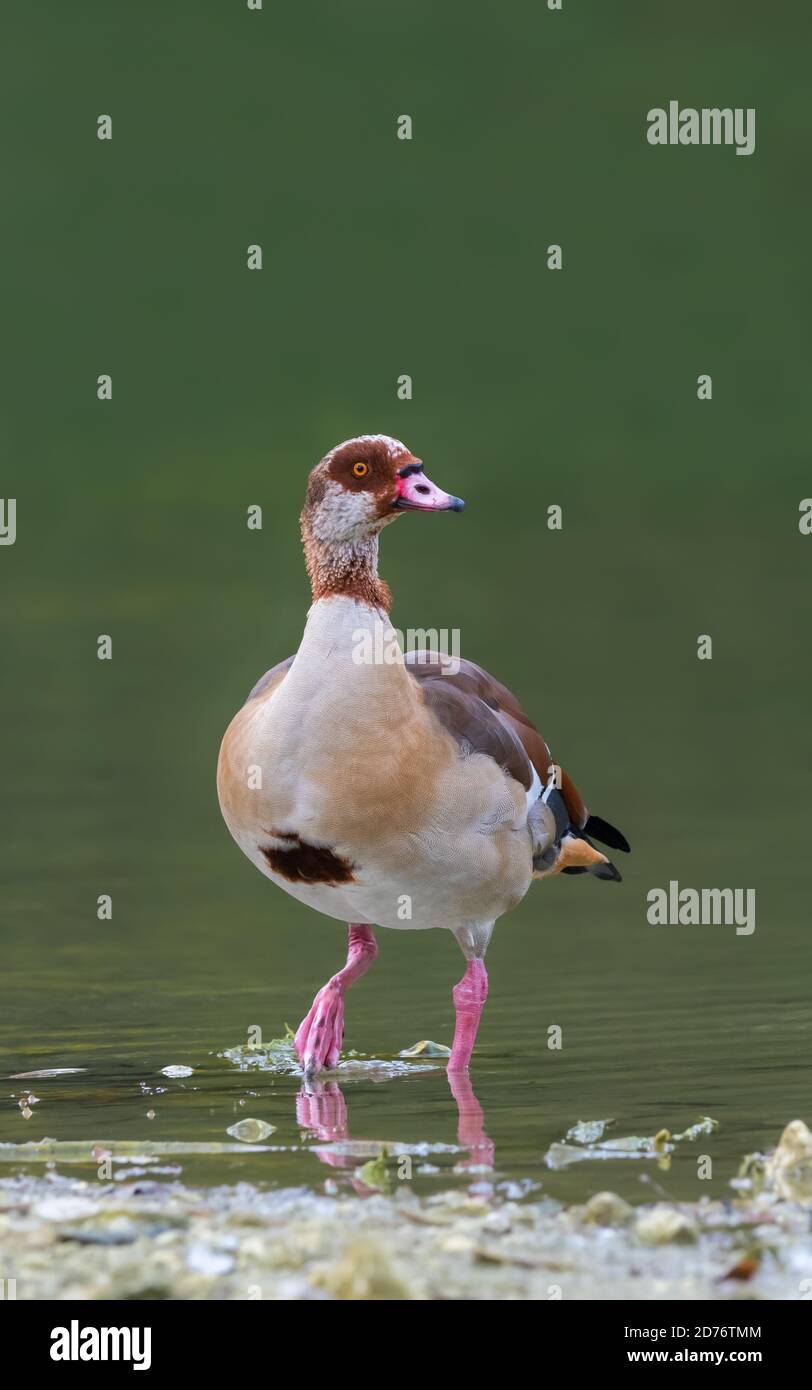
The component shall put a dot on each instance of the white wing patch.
(535, 790)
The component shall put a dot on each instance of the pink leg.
(469, 999)
(319, 1037)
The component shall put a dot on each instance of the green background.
(531, 387)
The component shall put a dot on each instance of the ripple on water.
(279, 1057)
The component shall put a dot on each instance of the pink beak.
(417, 493)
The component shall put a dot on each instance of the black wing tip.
(607, 834)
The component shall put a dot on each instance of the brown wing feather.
(473, 725)
(470, 699)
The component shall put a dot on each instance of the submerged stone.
(660, 1224)
(788, 1170)
(605, 1209)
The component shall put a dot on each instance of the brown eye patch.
(361, 465)
(370, 465)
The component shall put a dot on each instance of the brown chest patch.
(300, 862)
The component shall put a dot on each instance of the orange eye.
(360, 469)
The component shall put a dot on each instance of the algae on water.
(591, 1145)
(426, 1048)
(375, 1174)
(588, 1131)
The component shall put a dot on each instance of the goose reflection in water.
(322, 1109)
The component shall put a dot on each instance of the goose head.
(363, 484)
(352, 493)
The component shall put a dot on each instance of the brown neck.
(350, 568)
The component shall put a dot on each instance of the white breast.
(348, 757)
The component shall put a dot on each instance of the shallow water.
(647, 1047)
(111, 786)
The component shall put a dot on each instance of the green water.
(531, 388)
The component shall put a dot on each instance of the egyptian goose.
(408, 792)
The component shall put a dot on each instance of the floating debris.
(563, 1155)
(177, 1071)
(27, 1099)
(588, 1131)
(704, 1126)
(90, 1151)
(426, 1048)
(251, 1131)
(375, 1174)
(46, 1071)
(658, 1146)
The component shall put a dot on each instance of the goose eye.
(360, 469)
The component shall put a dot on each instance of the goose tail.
(568, 849)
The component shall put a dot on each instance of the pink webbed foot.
(320, 1035)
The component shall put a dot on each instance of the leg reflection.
(321, 1108)
(470, 1123)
